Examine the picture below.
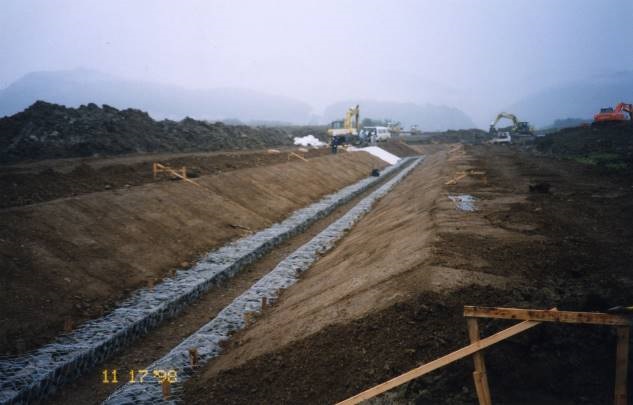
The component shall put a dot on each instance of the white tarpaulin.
(378, 152)
(309, 140)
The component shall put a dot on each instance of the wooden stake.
(193, 356)
(479, 375)
(166, 388)
(68, 325)
(621, 365)
(264, 302)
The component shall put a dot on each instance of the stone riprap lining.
(39, 373)
(207, 340)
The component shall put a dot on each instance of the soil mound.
(608, 147)
(46, 130)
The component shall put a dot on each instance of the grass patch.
(609, 161)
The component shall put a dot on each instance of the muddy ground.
(569, 247)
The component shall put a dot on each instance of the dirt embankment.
(73, 258)
(47, 180)
(569, 247)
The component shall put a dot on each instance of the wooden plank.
(297, 156)
(481, 387)
(441, 362)
(592, 318)
(479, 376)
(455, 179)
(621, 365)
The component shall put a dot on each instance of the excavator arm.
(509, 116)
(352, 114)
(628, 108)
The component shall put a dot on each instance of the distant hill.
(428, 117)
(75, 87)
(578, 99)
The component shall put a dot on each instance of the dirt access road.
(390, 296)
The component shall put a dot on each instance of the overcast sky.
(477, 55)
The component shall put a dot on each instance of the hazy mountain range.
(76, 87)
(579, 99)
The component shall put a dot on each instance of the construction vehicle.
(346, 131)
(520, 131)
(613, 115)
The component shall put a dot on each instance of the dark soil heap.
(46, 130)
(608, 147)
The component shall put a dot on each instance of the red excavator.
(609, 115)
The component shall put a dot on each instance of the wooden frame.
(160, 168)
(530, 318)
(590, 318)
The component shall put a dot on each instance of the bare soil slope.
(569, 247)
(45, 180)
(72, 258)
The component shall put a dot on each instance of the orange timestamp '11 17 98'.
(138, 376)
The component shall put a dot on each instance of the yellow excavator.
(519, 129)
(346, 131)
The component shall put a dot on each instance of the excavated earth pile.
(72, 259)
(51, 131)
(390, 296)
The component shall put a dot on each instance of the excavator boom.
(518, 127)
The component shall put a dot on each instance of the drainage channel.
(176, 367)
(90, 389)
(39, 373)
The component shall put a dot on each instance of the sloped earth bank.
(72, 259)
(45, 180)
(211, 337)
(391, 295)
(156, 344)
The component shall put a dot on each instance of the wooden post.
(68, 325)
(193, 356)
(264, 302)
(166, 388)
(621, 365)
(184, 172)
(479, 375)
(154, 169)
